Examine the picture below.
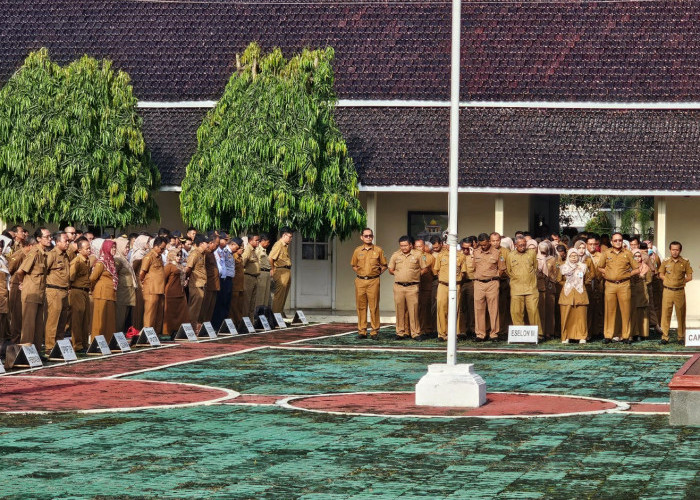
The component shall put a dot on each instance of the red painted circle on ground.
(26, 394)
(497, 404)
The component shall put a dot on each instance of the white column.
(660, 226)
(372, 211)
(499, 224)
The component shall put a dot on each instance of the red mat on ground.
(26, 394)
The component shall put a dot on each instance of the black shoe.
(441, 339)
(81, 351)
(399, 337)
(663, 342)
(606, 341)
(374, 337)
(361, 336)
(462, 336)
(637, 338)
(44, 359)
(627, 341)
(420, 338)
(479, 339)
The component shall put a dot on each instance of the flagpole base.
(451, 385)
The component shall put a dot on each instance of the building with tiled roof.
(560, 97)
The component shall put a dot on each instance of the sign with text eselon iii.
(525, 334)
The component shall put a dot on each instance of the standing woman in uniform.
(176, 311)
(546, 285)
(573, 300)
(141, 247)
(5, 250)
(640, 297)
(126, 289)
(104, 280)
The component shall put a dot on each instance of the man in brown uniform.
(442, 269)
(79, 297)
(488, 266)
(152, 278)
(15, 302)
(213, 286)
(369, 263)
(251, 269)
(425, 291)
(466, 291)
(407, 265)
(675, 271)
(437, 249)
(57, 285)
(281, 273)
(235, 246)
(595, 290)
(521, 266)
(32, 277)
(504, 287)
(617, 265)
(263, 296)
(197, 274)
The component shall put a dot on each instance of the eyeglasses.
(368, 236)
(616, 241)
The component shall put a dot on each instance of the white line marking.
(318, 338)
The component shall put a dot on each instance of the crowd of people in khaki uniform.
(577, 289)
(71, 282)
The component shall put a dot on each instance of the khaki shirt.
(369, 259)
(469, 265)
(617, 265)
(280, 254)
(263, 258)
(154, 280)
(212, 270)
(195, 261)
(426, 280)
(522, 271)
(489, 264)
(13, 263)
(80, 272)
(442, 266)
(239, 278)
(251, 264)
(673, 272)
(407, 267)
(34, 284)
(436, 256)
(57, 268)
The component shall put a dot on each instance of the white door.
(313, 273)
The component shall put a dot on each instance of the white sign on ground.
(32, 355)
(67, 352)
(207, 330)
(299, 317)
(692, 338)
(280, 320)
(522, 334)
(119, 341)
(264, 323)
(248, 324)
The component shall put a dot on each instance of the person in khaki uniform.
(369, 263)
(211, 290)
(675, 271)
(521, 266)
(281, 273)
(79, 297)
(407, 265)
(5, 251)
(504, 287)
(152, 278)
(251, 270)
(573, 299)
(546, 286)
(236, 247)
(425, 291)
(595, 289)
(127, 286)
(466, 299)
(617, 265)
(437, 249)
(32, 276)
(103, 280)
(197, 274)
(442, 269)
(57, 285)
(488, 266)
(640, 297)
(15, 304)
(263, 296)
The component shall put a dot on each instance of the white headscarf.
(574, 273)
(6, 250)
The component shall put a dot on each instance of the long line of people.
(72, 282)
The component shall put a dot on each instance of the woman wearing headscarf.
(5, 251)
(104, 280)
(640, 298)
(138, 252)
(573, 300)
(95, 248)
(546, 285)
(126, 287)
(176, 311)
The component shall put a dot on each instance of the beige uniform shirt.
(80, 272)
(617, 265)
(280, 254)
(370, 260)
(251, 264)
(195, 261)
(488, 265)
(34, 284)
(674, 272)
(522, 271)
(442, 267)
(263, 258)
(57, 269)
(407, 267)
(154, 280)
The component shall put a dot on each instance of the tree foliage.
(71, 147)
(269, 154)
(605, 214)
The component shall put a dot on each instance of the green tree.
(71, 147)
(269, 154)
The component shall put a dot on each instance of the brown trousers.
(504, 319)
(573, 322)
(122, 314)
(670, 299)
(79, 318)
(466, 308)
(406, 303)
(486, 298)
(651, 308)
(618, 295)
(250, 288)
(104, 318)
(283, 280)
(153, 305)
(425, 304)
(520, 303)
(15, 305)
(596, 309)
(196, 298)
(33, 324)
(443, 304)
(235, 311)
(640, 322)
(367, 295)
(547, 306)
(208, 304)
(262, 296)
(56, 316)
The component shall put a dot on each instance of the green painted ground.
(241, 452)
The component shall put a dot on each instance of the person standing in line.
(127, 285)
(437, 248)
(197, 274)
(488, 266)
(57, 285)
(505, 319)
(281, 270)
(32, 277)
(546, 279)
(19, 252)
(675, 272)
(407, 265)
(138, 252)
(211, 290)
(640, 297)
(251, 270)
(521, 266)
(5, 251)
(369, 263)
(237, 247)
(425, 290)
(152, 279)
(442, 269)
(175, 311)
(79, 296)
(263, 296)
(104, 281)
(573, 300)
(223, 296)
